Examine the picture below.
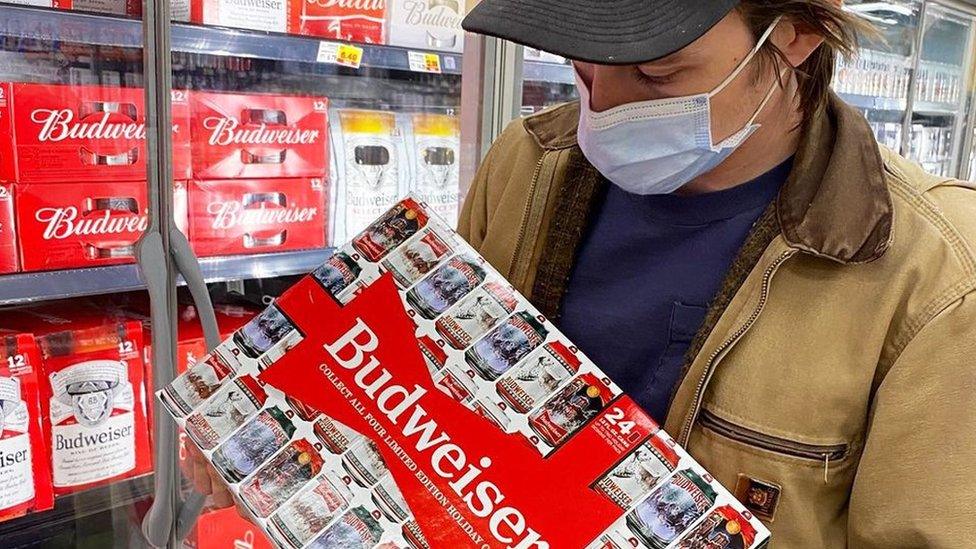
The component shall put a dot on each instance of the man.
(709, 198)
(796, 305)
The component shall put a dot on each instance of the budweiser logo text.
(228, 131)
(12, 458)
(58, 125)
(363, 5)
(82, 440)
(65, 222)
(419, 13)
(227, 215)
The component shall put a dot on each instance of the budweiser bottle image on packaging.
(56, 134)
(196, 385)
(478, 312)
(67, 225)
(671, 509)
(25, 478)
(351, 20)
(436, 154)
(417, 257)
(9, 257)
(446, 286)
(506, 345)
(283, 476)
(723, 528)
(93, 403)
(370, 157)
(357, 529)
(395, 227)
(253, 444)
(305, 515)
(570, 409)
(249, 216)
(427, 24)
(640, 471)
(538, 376)
(258, 136)
(227, 410)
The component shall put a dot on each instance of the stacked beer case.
(310, 481)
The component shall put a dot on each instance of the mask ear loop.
(769, 95)
(745, 62)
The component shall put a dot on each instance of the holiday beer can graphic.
(364, 463)
(723, 528)
(446, 286)
(477, 313)
(337, 274)
(16, 473)
(264, 332)
(280, 478)
(357, 529)
(196, 385)
(396, 226)
(506, 345)
(228, 409)
(388, 499)
(334, 436)
(640, 471)
(570, 409)
(417, 257)
(671, 509)
(305, 515)
(538, 376)
(249, 447)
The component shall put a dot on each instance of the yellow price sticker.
(349, 56)
(424, 62)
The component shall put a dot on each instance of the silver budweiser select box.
(427, 24)
(311, 481)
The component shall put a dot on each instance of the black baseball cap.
(610, 32)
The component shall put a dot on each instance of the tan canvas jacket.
(833, 384)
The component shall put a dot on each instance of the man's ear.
(796, 40)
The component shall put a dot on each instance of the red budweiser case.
(248, 216)
(92, 395)
(9, 258)
(25, 465)
(247, 136)
(54, 133)
(351, 20)
(267, 15)
(67, 225)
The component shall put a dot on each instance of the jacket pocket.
(823, 454)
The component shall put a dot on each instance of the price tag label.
(346, 55)
(424, 62)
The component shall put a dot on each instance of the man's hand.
(207, 481)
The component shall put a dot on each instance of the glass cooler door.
(547, 80)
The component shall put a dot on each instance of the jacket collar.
(835, 203)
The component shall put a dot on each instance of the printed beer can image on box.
(640, 471)
(305, 515)
(337, 274)
(283, 476)
(364, 463)
(416, 258)
(389, 500)
(434, 355)
(228, 409)
(336, 437)
(357, 529)
(478, 312)
(270, 330)
(538, 376)
(446, 286)
(196, 385)
(395, 227)
(671, 509)
(249, 447)
(723, 528)
(506, 345)
(570, 409)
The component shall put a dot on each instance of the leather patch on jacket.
(759, 496)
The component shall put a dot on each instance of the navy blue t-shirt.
(645, 274)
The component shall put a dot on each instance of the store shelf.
(874, 103)
(68, 26)
(941, 109)
(71, 509)
(33, 287)
(541, 71)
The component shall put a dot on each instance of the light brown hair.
(840, 29)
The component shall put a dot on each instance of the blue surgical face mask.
(657, 146)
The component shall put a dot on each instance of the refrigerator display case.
(242, 142)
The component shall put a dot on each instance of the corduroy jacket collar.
(835, 203)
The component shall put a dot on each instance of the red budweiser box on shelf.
(69, 225)
(25, 466)
(260, 15)
(9, 258)
(351, 20)
(55, 133)
(258, 136)
(225, 529)
(92, 395)
(405, 395)
(248, 216)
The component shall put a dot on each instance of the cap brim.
(612, 32)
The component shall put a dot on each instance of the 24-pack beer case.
(517, 386)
